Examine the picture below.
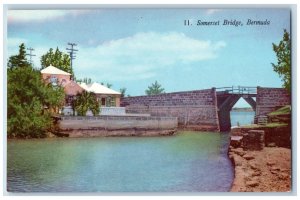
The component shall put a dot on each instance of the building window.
(110, 101)
(103, 101)
(113, 101)
(53, 79)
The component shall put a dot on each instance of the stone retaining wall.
(270, 99)
(117, 126)
(274, 136)
(195, 110)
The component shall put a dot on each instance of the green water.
(187, 162)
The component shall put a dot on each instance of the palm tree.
(86, 101)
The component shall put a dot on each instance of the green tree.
(86, 101)
(18, 60)
(84, 80)
(108, 85)
(30, 101)
(57, 59)
(155, 88)
(87, 80)
(123, 91)
(283, 65)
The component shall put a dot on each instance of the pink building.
(56, 76)
(108, 99)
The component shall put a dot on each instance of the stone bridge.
(227, 97)
(209, 109)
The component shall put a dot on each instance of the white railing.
(112, 111)
(68, 111)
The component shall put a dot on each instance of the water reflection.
(188, 162)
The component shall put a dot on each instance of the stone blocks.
(268, 99)
(195, 110)
(254, 140)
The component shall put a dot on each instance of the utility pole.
(30, 54)
(72, 53)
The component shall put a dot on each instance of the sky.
(133, 48)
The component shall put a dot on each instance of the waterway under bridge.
(227, 97)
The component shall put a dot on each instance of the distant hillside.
(242, 109)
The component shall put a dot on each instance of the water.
(243, 118)
(187, 162)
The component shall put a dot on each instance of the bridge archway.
(227, 97)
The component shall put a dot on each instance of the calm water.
(187, 162)
(242, 117)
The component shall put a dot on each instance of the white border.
(159, 3)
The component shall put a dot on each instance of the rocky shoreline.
(268, 170)
(261, 158)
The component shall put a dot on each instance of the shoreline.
(165, 133)
(268, 170)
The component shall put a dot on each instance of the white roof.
(53, 70)
(84, 86)
(98, 88)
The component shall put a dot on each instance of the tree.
(283, 66)
(85, 80)
(86, 101)
(18, 60)
(123, 91)
(155, 88)
(30, 101)
(108, 85)
(57, 59)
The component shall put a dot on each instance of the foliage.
(268, 125)
(123, 91)
(57, 59)
(281, 111)
(155, 88)
(28, 97)
(18, 60)
(85, 80)
(283, 66)
(108, 85)
(86, 101)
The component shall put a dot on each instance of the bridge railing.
(238, 90)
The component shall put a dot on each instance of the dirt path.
(268, 170)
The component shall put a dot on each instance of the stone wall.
(274, 136)
(112, 110)
(195, 110)
(270, 99)
(76, 126)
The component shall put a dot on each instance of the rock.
(239, 151)
(50, 135)
(253, 166)
(284, 176)
(275, 168)
(256, 173)
(270, 163)
(253, 140)
(274, 172)
(237, 160)
(285, 170)
(251, 183)
(236, 141)
(272, 144)
(248, 157)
